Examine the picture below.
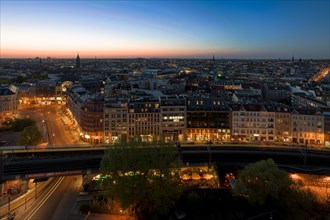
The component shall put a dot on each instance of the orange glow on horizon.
(193, 52)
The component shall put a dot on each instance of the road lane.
(58, 204)
(59, 201)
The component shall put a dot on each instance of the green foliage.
(263, 183)
(297, 203)
(100, 206)
(262, 180)
(30, 136)
(142, 175)
(20, 124)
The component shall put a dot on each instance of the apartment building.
(307, 126)
(208, 120)
(253, 122)
(282, 123)
(144, 119)
(115, 119)
(87, 109)
(173, 117)
(8, 102)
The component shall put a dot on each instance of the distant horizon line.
(191, 58)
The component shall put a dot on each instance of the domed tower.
(78, 61)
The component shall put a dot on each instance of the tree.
(142, 176)
(20, 124)
(263, 183)
(29, 136)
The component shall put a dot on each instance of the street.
(58, 199)
(57, 202)
(50, 121)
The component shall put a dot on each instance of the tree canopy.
(29, 136)
(142, 176)
(263, 183)
(20, 124)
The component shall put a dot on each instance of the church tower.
(78, 61)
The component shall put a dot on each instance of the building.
(144, 119)
(208, 120)
(253, 122)
(301, 99)
(246, 95)
(87, 109)
(44, 92)
(78, 61)
(282, 123)
(277, 92)
(115, 119)
(326, 114)
(8, 103)
(173, 117)
(307, 126)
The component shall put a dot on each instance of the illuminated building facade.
(192, 119)
(307, 126)
(87, 109)
(282, 124)
(253, 122)
(8, 102)
(44, 92)
(115, 119)
(144, 119)
(207, 120)
(326, 115)
(173, 117)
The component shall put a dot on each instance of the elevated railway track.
(26, 163)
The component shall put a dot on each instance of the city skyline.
(183, 29)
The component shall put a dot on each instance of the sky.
(166, 29)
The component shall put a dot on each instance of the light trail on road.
(44, 199)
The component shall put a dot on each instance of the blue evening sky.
(229, 29)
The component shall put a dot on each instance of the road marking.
(50, 192)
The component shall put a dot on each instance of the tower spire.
(78, 61)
